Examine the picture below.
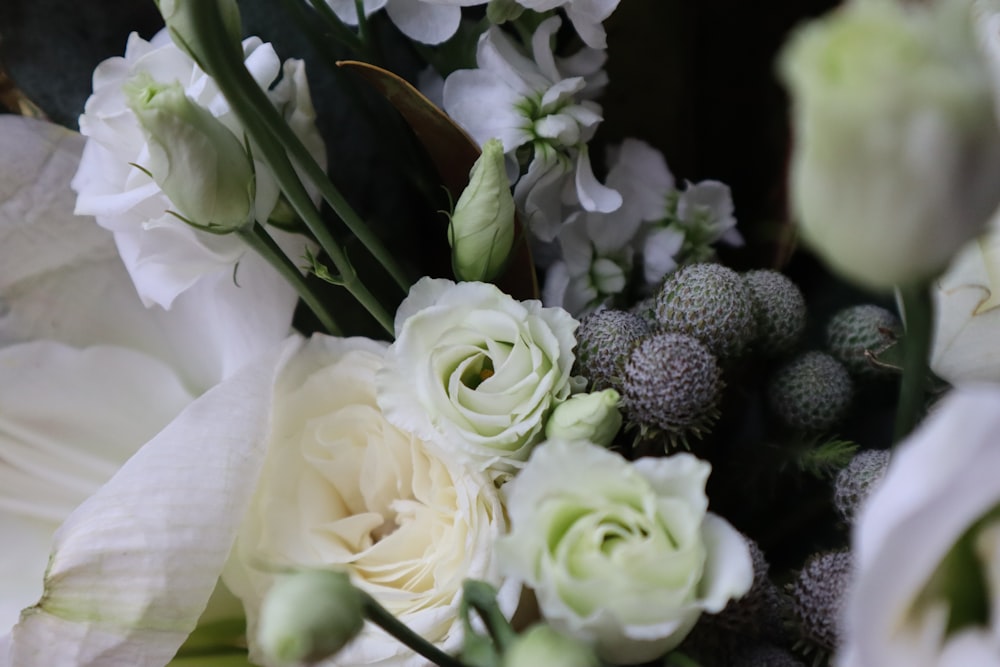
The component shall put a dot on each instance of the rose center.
(477, 372)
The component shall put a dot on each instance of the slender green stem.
(274, 137)
(918, 311)
(482, 597)
(381, 617)
(258, 239)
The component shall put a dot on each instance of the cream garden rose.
(622, 555)
(476, 370)
(343, 488)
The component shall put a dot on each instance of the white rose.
(927, 545)
(343, 488)
(475, 370)
(967, 317)
(164, 255)
(622, 555)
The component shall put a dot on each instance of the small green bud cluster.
(818, 595)
(779, 311)
(811, 393)
(605, 339)
(857, 480)
(857, 331)
(541, 645)
(672, 384)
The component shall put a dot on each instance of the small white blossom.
(426, 21)
(585, 15)
(526, 101)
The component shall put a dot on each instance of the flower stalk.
(274, 137)
(918, 311)
(383, 618)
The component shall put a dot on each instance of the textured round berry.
(758, 615)
(818, 598)
(811, 393)
(711, 303)
(765, 655)
(858, 479)
(646, 308)
(605, 338)
(672, 384)
(857, 329)
(779, 311)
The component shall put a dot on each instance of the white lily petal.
(425, 22)
(25, 557)
(134, 566)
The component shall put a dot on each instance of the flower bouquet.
(395, 355)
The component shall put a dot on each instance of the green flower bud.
(309, 616)
(180, 20)
(594, 417)
(481, 232)
(501, 11)
(897, 149)
(198, 163)
(541, 645)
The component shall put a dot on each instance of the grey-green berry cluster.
(857, 330)
(857, 480)
(811, 393)
(779, 311)
(818, 597)
(672, 384)
(711, 303)
(760, 613)
(605, 338)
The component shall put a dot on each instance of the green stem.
(482, 597)
(381, 617)
(918, 312)
(258, 239)
(273, 137)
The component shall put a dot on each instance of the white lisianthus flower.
(476, 371)
(164, 255)
(927, 545)
(967, 313)
(343, 488)
(623, 555)
(526, 101)
(426, 21)
(897, 148)
(87, 374)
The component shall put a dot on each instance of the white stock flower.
(927, 546)
(585, 15)
(343, 488)
(526, 101)
(164, 255)
(427, 21)
(623, 555)
(476, 371)
(87, 374)
(967, 313)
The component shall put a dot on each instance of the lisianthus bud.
(897, 149)
(594, 417)
(198, 163)
(180, 22)
(309, 616)
(481, 232)
(541, 645)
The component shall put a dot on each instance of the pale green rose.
(594, 417)
(476, 371)
(481, 231)
(197, 161)
(897, 149)
(623, 555)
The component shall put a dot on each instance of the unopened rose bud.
(541, 645)
(481, 232)
(309, 616)
(200, 165)
(594, 417)
(897, 148)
